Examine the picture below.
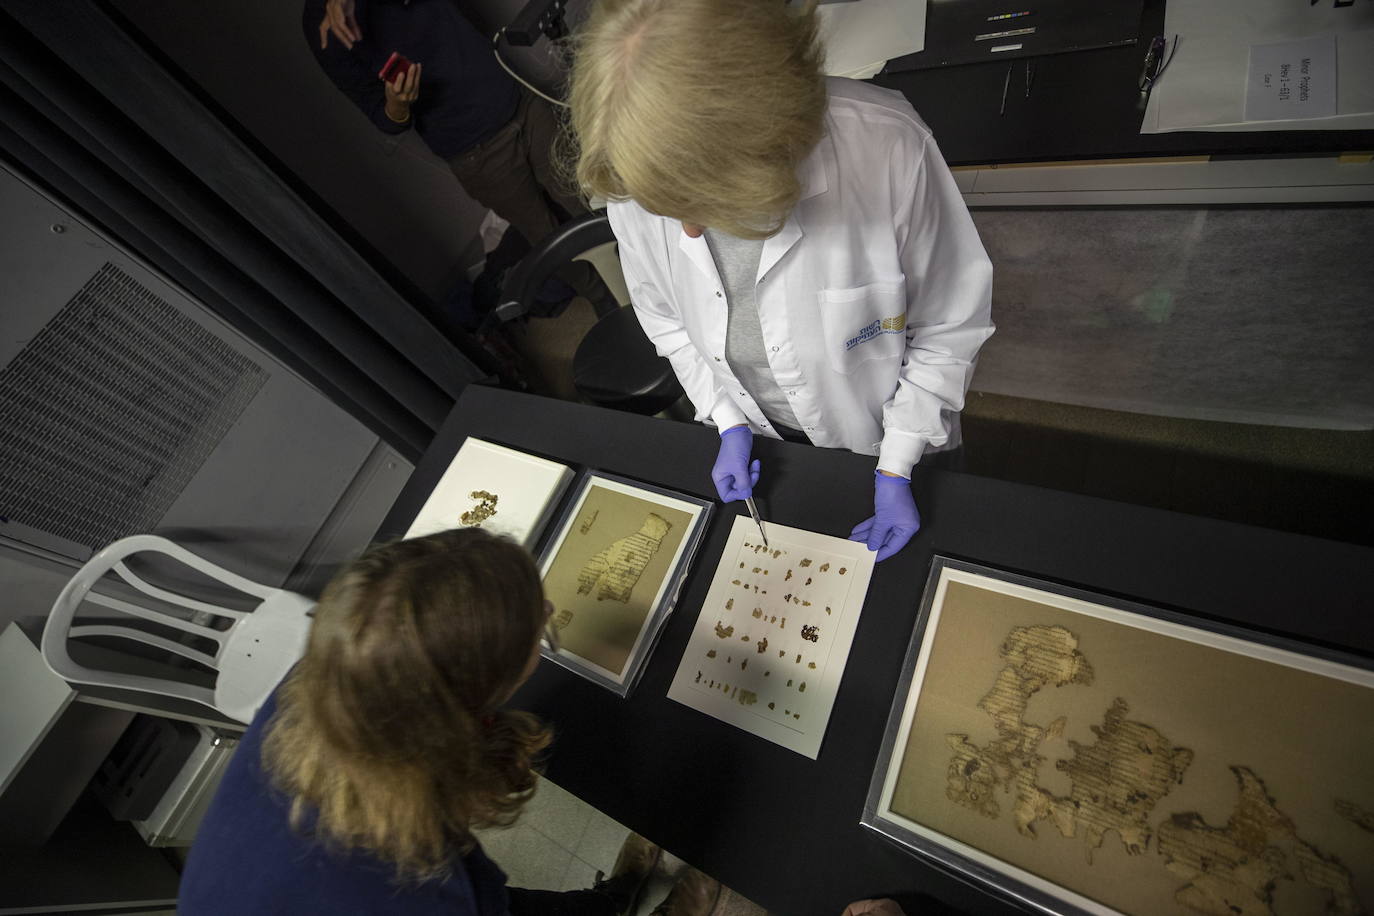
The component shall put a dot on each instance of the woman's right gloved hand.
(734, 476)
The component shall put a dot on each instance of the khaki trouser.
(512, 173)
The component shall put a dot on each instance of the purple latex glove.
(734, 476)
(895, 519)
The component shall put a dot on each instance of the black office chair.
(615, 365)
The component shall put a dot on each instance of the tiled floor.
(560, 843)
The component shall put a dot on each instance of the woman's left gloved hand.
(895, 519)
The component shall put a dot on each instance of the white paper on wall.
(1292, 80)
(504, 491)
(769, 648)
(1205, 85)
(861, 37)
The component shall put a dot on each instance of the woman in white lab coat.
(793, 244)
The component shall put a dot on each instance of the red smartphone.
(396, 65)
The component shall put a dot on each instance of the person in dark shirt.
(495, 135)
(358, 784)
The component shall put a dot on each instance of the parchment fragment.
(1116, 782)
(1036, 657)
(1235, 869)
(1360, 817)
(483, 510)
(614, 572)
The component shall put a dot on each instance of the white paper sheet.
(861, 37)
(525, 488)
(1292, 80)
(769, 648)
(1204, 87)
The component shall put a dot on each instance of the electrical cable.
(496, 50)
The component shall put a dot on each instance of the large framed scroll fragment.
(1083, 754)
(613, 570)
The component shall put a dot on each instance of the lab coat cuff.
(900, 451)
(726, 414)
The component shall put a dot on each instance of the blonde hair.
(387, 735)
(699, 110)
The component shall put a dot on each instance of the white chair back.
(252, 653)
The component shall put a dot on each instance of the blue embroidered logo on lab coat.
(894, 325)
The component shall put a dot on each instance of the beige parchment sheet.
(596, 625)
(1309, 738)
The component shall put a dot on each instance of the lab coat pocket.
(864, 323)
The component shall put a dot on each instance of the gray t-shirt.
(737, 260)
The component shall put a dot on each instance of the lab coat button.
(719, 294)
(775, 349)
(717, 359)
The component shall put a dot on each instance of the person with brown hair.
(358, 785)
(794, 245)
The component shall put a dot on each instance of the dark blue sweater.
(465, 96)
(247, 860)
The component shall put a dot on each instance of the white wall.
(251, 57)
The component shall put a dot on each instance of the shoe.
(637, 860)
(694, 894)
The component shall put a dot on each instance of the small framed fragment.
(1082, 754)
(613, 569)
(505, 491)
(770, 645)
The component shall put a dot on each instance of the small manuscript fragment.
(806, 562)
(723, 631)
(763, 645)
(810, 634)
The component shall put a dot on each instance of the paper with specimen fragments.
(609, 569)
(1129, 764)
(769, 648)
(504, 491)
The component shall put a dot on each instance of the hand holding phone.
(396, 65)
(401, 83)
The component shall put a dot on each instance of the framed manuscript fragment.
(1082, 754)
(613, 569)
(770, 645)
(505, 491)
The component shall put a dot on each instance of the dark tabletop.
(1083, 105)
(782, 829)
